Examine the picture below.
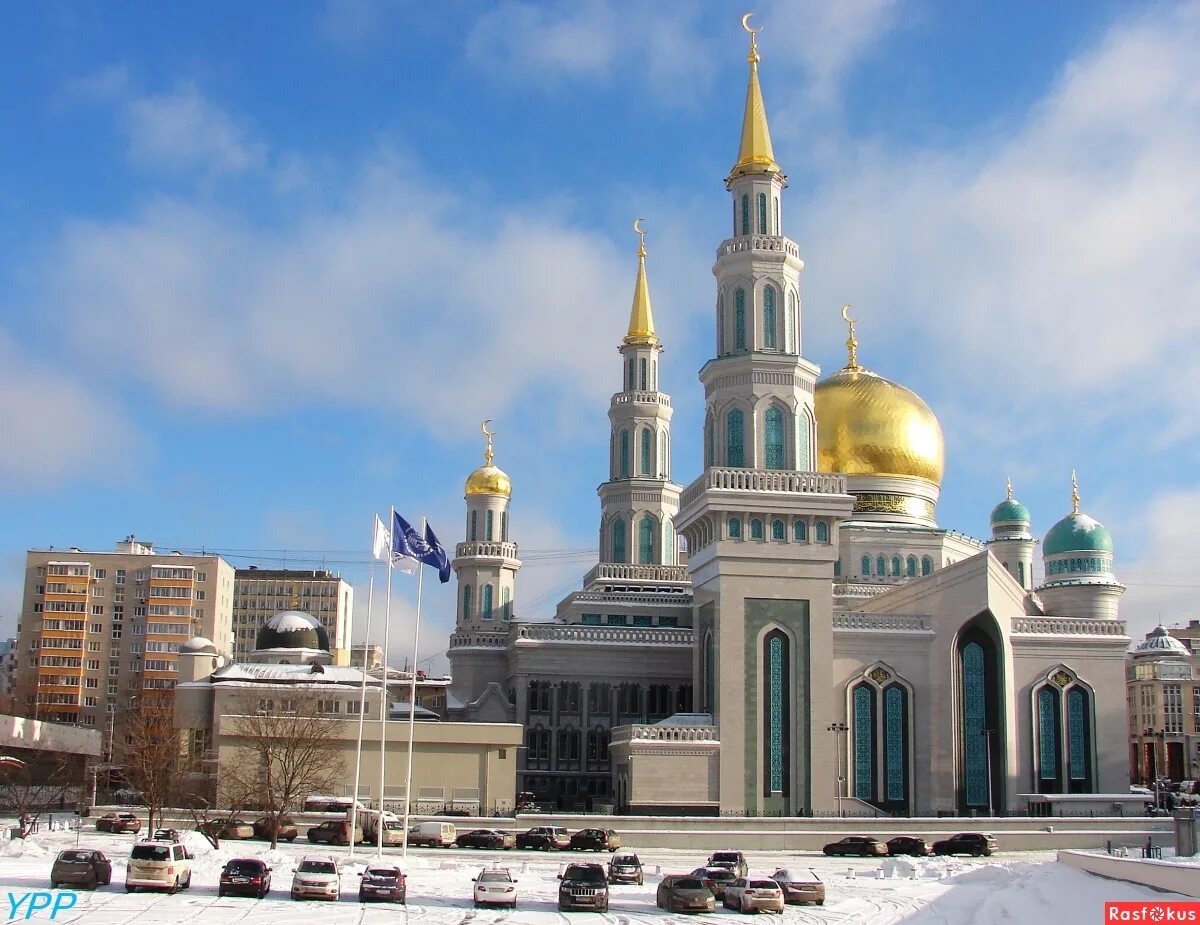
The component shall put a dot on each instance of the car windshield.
(317, 867)
(495, 876)
(625, 860)
(592, 833)
(689, 883)
(244, 867)
(75, 856)
(150, 853)
(591, 874)
(763, 885)
(730, 856)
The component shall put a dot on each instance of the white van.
(433, 834)
(158, 865)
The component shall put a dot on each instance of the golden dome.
(488, 479)
(868, 425)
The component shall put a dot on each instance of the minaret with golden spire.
(640, 445)
(755, 154)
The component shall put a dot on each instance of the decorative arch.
(910, 567)
(926, 565)
(774, 438)
(776, 712)
(880, 708)
(647, 527)
(982, 722)
(710, 673)
(895, 566)
(880, 565)
(865, 566)
(778, 530)
(1064, 744)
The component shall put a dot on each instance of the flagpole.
(383, 703)
(412, 702)
(362, 703)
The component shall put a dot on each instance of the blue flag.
(407, 543)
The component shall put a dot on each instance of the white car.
(495, 886)
(317, 878)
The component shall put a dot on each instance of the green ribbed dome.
(1010, 511)
(1077, 533)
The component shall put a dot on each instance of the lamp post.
(838, 730)
(987, 735)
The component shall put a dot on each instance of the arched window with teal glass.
(762, 213)
(505, 604)
(739, 320)
(1021, 573)
(926, 565)
(789, 324)
(646, 540)
(800, 531)
(769, 318)
(895, 566)
(803, 442)
(647, 439)
(1048, 749)
(774, 446)
(735, 446)
(756, 529)
(822, 532)
(624, 454)
(489, 523)
(895, 744)
(629, 375)
(775, 227)
(618, 540)
(504, 526)
(778, 530)
(735, 528)
(642, 377)
(664, 471)
(485, 602)
(466, 596)
(669, 544)
(776, 710)
(474, 526)
(745, 214)
(974, 721)
(1079, 740)
(710, 441)
(862, 742)
(866, 566)
(880, 566)
(911, 567)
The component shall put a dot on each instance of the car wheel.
(129, 889)
(174, 886)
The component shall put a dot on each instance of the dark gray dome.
(292, 629)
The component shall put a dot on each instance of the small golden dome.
(488, 479)
(868, 425)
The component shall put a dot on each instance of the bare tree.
(152, 759)
(280, 758)
(38, 784)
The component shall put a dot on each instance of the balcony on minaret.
(642, 398)
(759, 244)
(486, 550)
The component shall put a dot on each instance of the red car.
(119, 822)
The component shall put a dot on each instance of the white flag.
(381, 546)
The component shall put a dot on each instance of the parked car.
(974, 843)
(167, 835)
(155, 865)
(716, 879)
(583, 886)
(80, 867)
(380, 881)
(684, 893)
(545, 838)
(119, 822)
(235, 828)
(495, 886)
(861, 845)
(625, 868)
(909, 845)
(317, 877)
(245, 877)
(734, 860)
(433, 834)
(486, 838)
(595, 840)
(800, 885)
(285, 829)
(335, 832)
(746, 895)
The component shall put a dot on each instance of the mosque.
(793, 632)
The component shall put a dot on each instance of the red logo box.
(1153, 912)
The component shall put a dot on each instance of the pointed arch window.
(778, 530)
(803, 430)
(646, 540)
(1048, 747)
(669, 544)
(775, 227)
(775, 712)
(1021, 573)
(1079, 746)
(880, 565)
(769, 318)
(735, 448)
(822, 532)
(642, 377)
(863, 742)
(474, 526)
(974, 714)
(647, 443)
(505, 604)
(710, 442)
(745, 214)
(618, 540)
(629, 375)
(735, 528)
(504, 526)
(485, 602)
(866, 566)
(773, 449)
(489, 523)
(910, 567)
(756, 529)
(624, 470)
(466, 596)
(895, 743)
(926, 565)
(789, 324)
(663, 472)
(720, 326)
(800, 531)
(739, 320)
(762, 213)
(895, 566)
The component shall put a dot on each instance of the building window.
(618, 540)
(663, 472)
(735, 448)
(624, 454)
(800, 531)
(590, 619)
(822, 532)
(647, 443)
(865, 566)
(485, 602)
(895, 751)
(504, 526)
(774, 455)
(910, 566)
(789, 324)
(474, 526)
(1047, 730)
(775, 657)
(756, 529)
(745, 214)
(864, 743)
(710, 442)
(505, 604)
(720, 326)
(769, 318)
(926, 565)
(776, 225)
(618, 619)
(880, 566)
(642, 374)
(974, 715)
(895, 566)
(1079, 739)
(778, 530)
(762, 213)
(739, 320)
(735, 528)
(646, 540)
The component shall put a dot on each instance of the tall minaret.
(639, 500)
(759, 389)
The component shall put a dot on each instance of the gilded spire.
(641, 318)
(1008, 487)
(1074, 493)
(755, 155)
(488, 455)
(851, 341)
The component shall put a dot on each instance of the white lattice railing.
(616, 571)
(881, 623)
(763, 480)
(758, 242)
(648, 733)
(642, 398)
(1068, 626)
(496, 550)
(634, 636)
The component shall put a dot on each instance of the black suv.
(545, 838)
(583, 886)
(966, 843)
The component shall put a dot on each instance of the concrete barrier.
(1160, 875)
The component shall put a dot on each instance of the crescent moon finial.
(488, 455)
(846, 313)
(746, 25)
(851, 341)
(637, 222)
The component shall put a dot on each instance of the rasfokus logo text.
(1152, 912)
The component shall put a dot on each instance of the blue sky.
(264, 268)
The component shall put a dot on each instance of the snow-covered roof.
(291, 674)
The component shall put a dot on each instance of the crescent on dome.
(746, 24)
(846, 313)
(484, 428)
(636, 229)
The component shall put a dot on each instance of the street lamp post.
(987, 735)
(838, 730)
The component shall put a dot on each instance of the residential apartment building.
(8, 661)
(259, 594)
(1163, 697)
(368, 655)
(98, 631)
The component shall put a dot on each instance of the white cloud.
(182, 130)
(57, 427)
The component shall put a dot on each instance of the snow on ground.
(1029, 888)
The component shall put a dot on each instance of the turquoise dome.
(1077, 533)
(1010, 511)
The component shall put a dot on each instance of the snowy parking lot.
(1027, 889)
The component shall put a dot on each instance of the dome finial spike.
(1074, 493)
(488, 455)
(641, 316)
(752, 57)
(851, 341)
(1008, 487)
